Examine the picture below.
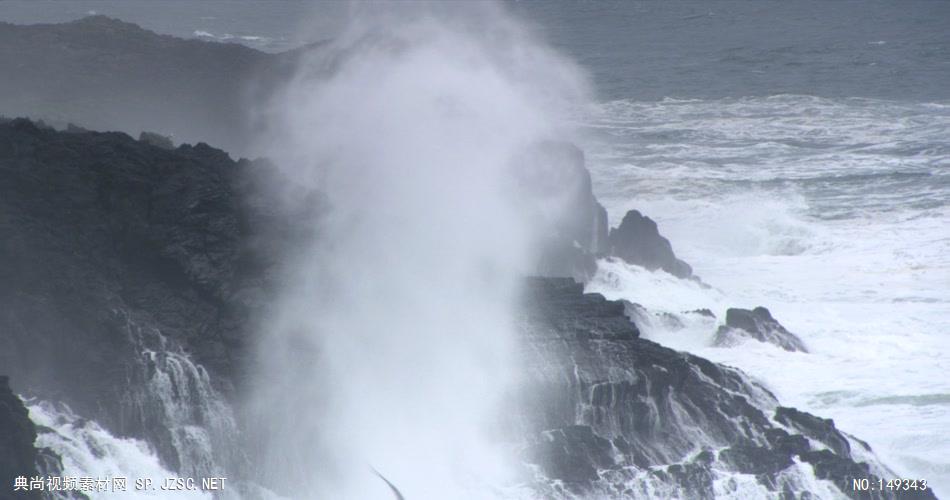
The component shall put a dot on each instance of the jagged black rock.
(97, 228)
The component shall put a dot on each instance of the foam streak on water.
(834, 214)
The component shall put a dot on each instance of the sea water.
(796, 154)
(831, 212)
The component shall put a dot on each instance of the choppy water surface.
(832, 212)
(797, 155)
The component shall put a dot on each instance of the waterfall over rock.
(612, 415)
(131, 275)
(172, 399)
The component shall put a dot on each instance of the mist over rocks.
(556, 171)
(580, 232)
(637, 240)
(103, 237)
(645, 318)
(98, 229)
(437, 142)
(756, 324)
(111, 248)
(157, 140)
(107, 74)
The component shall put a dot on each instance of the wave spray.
(391, 346)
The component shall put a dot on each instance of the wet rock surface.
(100, 232)
(555, 176)
(18, 457)
(820, 429)
(637, 240)
(757, 324)
(107, 74)
(609, 413)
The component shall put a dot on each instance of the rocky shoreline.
(132, 274)
(102, 235)
(615, 410)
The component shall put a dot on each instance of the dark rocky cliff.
(108, 74)
(103, 236)
(618, 416)
(111, 75)
(93, 225)
(110, 248)
(554, 173)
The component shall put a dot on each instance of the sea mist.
(391, 346)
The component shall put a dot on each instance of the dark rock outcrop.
(554, 175)
(100, 232)
(820, 429)
(93, 223)
(103, 239)
(609, 413)
(647, 319)
(702, 312)
(157, 140)
(758, 460)
(18, 456)
(572, 454)
(638, 241)
(759, 325)
(108, 74)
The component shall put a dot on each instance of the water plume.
(391, 346)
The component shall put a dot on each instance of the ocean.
(796, 154)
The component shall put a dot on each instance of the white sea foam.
(226, 37)
(88, 450)
(831, 213)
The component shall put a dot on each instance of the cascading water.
(172, 397)
(391, 346)
(187, 428)
(89, 451)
